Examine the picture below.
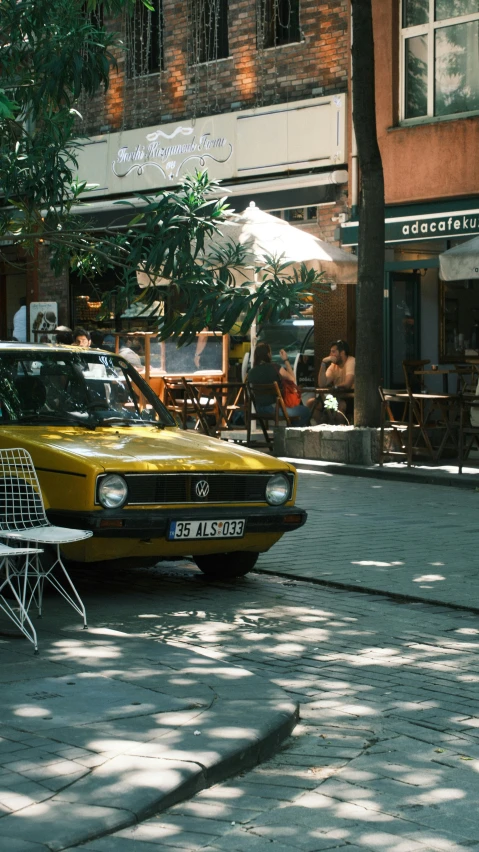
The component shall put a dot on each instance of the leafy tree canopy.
(51, 53)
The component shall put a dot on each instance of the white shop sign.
(281, 138)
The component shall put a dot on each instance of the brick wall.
(249, 77)
(334, 312)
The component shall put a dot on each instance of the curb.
(464, 480)
(148, 774)
(367, 590)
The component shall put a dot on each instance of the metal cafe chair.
(14, 566)
(23, 518)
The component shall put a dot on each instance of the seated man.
(337, 371)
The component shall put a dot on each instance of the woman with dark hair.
(265, 372)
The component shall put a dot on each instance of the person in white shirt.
(20, 322)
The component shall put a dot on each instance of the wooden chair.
(226, 401)
(399, 427)
(467, 378)
(183, 400)
(430, 418)
(414, 384)
(256, 391)
(468, 426)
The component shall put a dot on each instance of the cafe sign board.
(281, 138)
(427, 226)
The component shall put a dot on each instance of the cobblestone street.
(386, 755)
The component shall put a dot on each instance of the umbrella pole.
(253, 332)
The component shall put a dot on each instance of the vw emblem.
(202, 489)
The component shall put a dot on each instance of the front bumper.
(148, 523)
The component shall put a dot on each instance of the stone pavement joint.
(110, 729)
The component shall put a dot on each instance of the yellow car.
(111, 459)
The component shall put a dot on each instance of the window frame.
(202, 46)
(261, 33)
(131, 72)
(428, 30)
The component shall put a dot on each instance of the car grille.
(144, 489)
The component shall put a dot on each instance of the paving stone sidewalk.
(404, 539)
(105, 728)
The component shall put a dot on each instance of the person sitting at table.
(336, 371)
(265, 372)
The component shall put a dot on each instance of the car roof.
(14, 345)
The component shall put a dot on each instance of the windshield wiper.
(53, 417)
(112, 421)
(127, 421)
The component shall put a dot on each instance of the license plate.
(181, 530)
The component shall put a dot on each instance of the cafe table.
(443, 372)
(321, 393)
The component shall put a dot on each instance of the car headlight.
(277, 489)
(112, 491)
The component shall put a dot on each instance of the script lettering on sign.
(169, 152)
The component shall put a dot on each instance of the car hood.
(131, 448)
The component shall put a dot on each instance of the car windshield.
(78, 387)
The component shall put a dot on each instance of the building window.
(144, 39)
(277, 22)
(209, 30)
(94, 16)
(440, 55)
(296, 214)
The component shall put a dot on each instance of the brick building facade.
(250, 76)
(261, 55)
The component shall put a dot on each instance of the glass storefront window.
(459, 320)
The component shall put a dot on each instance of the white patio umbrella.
(265, 235)
(460, 262)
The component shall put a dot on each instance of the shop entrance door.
(403, 339)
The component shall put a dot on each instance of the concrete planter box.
(346, 444)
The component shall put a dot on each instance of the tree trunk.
(369, 314)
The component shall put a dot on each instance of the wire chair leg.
(70, 595)
(21, 618)
(39, 576)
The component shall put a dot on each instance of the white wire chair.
(14, 578)
(23, 518)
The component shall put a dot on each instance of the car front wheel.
(226, 566)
